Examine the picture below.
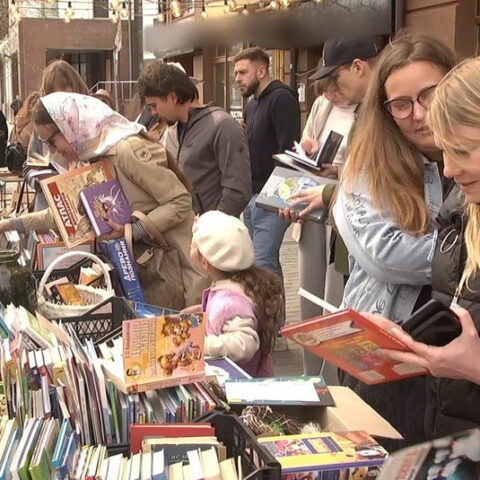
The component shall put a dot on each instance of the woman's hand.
(458, 359)
(310, 146)
(118, 231)
(311, 196)
(290, 214)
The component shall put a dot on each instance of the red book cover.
(351, 342)
(140, 431)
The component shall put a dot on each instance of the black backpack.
(15, 157)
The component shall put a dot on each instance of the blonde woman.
(453, 405)
(390, 194)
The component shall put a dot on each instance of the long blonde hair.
(379, 151)
(457, 102)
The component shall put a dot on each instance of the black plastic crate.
(102, 319)
(240, 441)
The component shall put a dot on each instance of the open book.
(352, 342)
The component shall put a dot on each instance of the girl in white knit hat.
(243, 301)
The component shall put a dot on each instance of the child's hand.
(193, 309)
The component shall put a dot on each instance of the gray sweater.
(213, 153)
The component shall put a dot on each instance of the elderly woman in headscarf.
(84, 130)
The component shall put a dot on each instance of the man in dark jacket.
(272, 119)
(212, 147)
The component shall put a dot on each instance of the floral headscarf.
(90, 126)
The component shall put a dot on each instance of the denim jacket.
(388, 267)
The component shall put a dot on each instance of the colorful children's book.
(106, 200)
(352, 342)
(283, 183)
(324, 451)
(119, 254)
(63, 196)
(301, 390)
(160, 352)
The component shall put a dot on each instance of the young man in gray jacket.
(212, 147)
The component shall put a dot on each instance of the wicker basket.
(91, 296)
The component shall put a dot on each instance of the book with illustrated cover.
(282, 184)
(161, 352)
(119, 254)
(352, 343)
(63, 196)
(324, 451)
(454, 457)
(302, 390)
(108, 200)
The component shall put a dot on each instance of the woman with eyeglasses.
(390, 194)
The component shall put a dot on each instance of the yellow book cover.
(63, 196)
(324, 451)
(163, 351)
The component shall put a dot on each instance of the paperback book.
(63, 196)
(283, 183)
(106, 200)
(161, 352)
(352, 342)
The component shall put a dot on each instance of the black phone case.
(433, 324)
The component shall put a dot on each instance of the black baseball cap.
(343, 51)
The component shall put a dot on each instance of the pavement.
(289, 362)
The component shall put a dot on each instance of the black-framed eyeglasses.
(402, 108)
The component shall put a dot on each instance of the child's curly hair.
(265, 289)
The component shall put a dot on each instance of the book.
(47, 252)
(121, 257)
(325, 154)
(282, 184)
(302, 390)
(453, 457)
(106, 200)
(67, 293)
(159, 352)
(352, 343)
(63, 196)
(140, 431)
(223, 369)
(324, 451)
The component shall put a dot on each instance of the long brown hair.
(59, 75)
(457, 103)
(391, 164)
(265, 290)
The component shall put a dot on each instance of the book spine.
(117, 251)
(165, 383)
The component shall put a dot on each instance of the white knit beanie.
(223, 241)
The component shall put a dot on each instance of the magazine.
(352, 342)
(282, 184)
(63, 196)
(455, 457)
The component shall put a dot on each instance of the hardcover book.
(324, 451)
(106, 200)
(63, 196)
(302, 390)
(119, 254)
(282, 184)
(163, 351)
(352, 342)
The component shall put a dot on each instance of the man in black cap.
(349, 63)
